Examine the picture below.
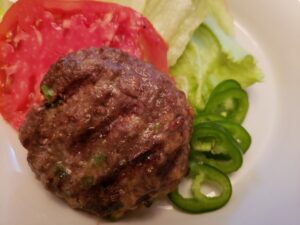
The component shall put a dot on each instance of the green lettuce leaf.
(227, 41)
(219, 11)
(199, 56)
(176, 21)
(4, 5)
(137, 5)
(204, 64)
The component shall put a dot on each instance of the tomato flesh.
(34, 34)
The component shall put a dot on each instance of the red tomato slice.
(34, 34)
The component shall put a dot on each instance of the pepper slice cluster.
(217, 147)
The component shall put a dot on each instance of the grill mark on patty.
(149, 154)
(70, 90)
(74, 86)
(87, 79)
(102, 129)
(83, 80)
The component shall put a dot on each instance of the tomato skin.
(34, 34)
(158, 56)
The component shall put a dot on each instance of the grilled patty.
(111, 135)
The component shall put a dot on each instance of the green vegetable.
(239, 133)
(229, 100)
(47, 92)
(217, 145)
(204, 64)
(227, 42)
(157, 127)
(219, 12)
(233, 104)
(4, 5)
(202, 117)
(213, 145)
(137, 5)
(193, 64)
(176, 21)
(99, 159)
(200, 203)
(87, 181)
(60, 170)
(224, 86)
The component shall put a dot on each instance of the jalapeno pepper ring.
(232, 104)
(200, 203)
(224, 86)
(239, 133)
(213, 145)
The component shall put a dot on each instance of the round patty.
(112, 133)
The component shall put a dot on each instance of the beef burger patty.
(112, 133)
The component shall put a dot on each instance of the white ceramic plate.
(266, 189)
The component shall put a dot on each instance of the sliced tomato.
(36, 33)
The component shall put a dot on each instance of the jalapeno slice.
(232, 104)
(225, 85)
(213, 145)
(207, 117)
(239, 133)
(200, 203)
